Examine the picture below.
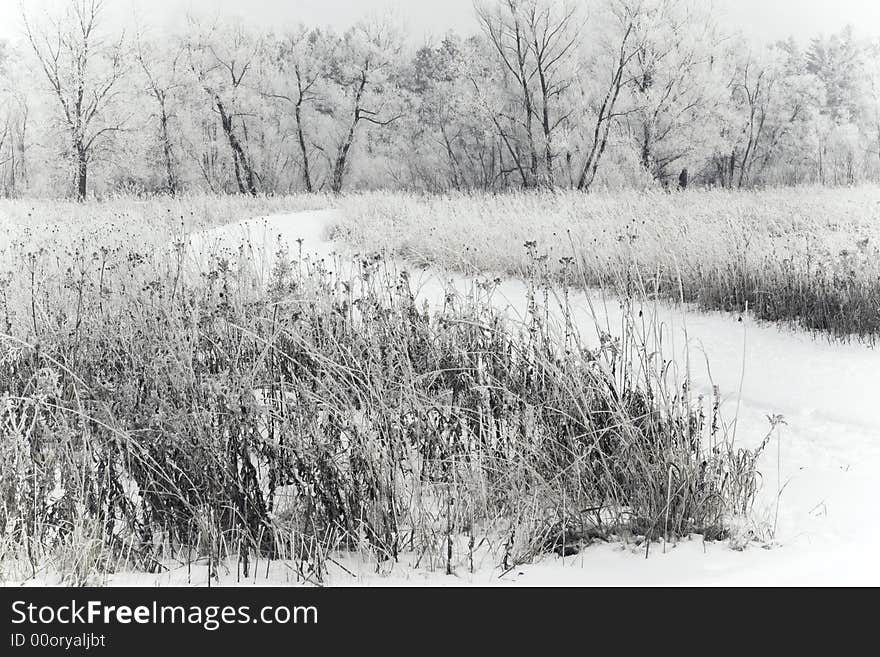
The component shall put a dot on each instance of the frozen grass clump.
(151, 414)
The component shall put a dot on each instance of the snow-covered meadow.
(808, 398)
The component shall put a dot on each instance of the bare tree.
(446, 82)
(163, 78)
(754, 85)
(13, 141)
(768, 99)
(84, 72)
(361, 69)
(300, 67)
(553, 31)
(536, 42)
(14, 117)
(221, 62)
(671, 80)
(507, 140)
(627, 15)
(873, 77)
(503, 24)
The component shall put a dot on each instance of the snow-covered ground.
(825, 460)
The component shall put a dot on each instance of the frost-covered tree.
(872, 98)
(363, 92)
(164, 79)
(676, 82)
(14, 122)
(298, 78)
(536, 43)
(223, 59)
(84, 69)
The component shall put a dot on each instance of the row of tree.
(612, 93)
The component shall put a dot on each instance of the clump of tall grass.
(152, 413)
(808, 257)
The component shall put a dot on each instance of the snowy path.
(830, 448)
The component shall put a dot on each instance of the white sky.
(762, 19)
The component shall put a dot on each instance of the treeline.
(597, 93)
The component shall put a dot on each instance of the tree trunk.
(603, 121)
(307, 176)
(646, 149)
(533, 154)
(878, 140)
(453, 161)
(731, 168)
(338, 176)
(82, 171)
(167, 153)
(528, 108)
(603, 128)
(12, 165)
(545, 125)
(239, 159)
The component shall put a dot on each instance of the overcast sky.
(763, 19)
